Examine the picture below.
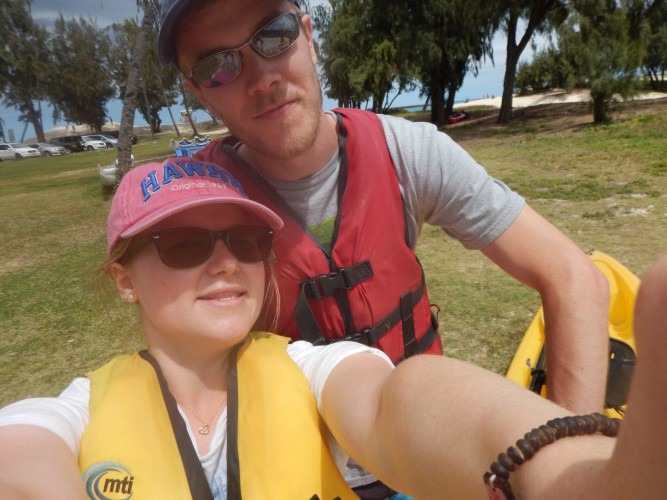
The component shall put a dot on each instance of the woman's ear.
(123, 279)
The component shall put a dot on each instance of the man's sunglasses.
(274, 38)
(190, 246)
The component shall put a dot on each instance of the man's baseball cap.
(152, 192)
(170, 13)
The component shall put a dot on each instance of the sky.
(487, 83)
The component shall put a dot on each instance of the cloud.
(104, 13)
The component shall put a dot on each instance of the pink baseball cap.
(152, 192)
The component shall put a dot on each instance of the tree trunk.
(437, 102)
(513, 54)
(187, 107)
(538, 11)
(505, 114)
(451, 96)
(600, 109)
(124, 160)
(35, 118)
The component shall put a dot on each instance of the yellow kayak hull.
(623, 286)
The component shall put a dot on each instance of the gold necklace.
(206, 428)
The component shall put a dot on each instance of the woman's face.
(213, 305)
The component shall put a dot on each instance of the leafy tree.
(448, 39)
(360, 51)
(157, 85)
(547, 70)
(538, 16)
(24, 63)
(83, 85)
(605, 42)
(369, 48)
(655, 64)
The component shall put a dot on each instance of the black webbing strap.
(408, 322)
(311, 332)
(305, 319)
(343, 279)
(233, 460)
(199, 488)
(425, 342)
(370, 336)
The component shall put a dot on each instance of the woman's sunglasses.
(189, 246)
(274, 38)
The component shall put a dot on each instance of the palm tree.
(132, 90)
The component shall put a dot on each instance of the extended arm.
(37, 464)
(575, 298)
(432, 427)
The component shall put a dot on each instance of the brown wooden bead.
(506, 462)
(590, 425)
(526, 448)
(500, 471)
(572, 426)
(559, 426)
(515, 455)
(533, 438)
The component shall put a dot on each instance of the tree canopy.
(24, 63)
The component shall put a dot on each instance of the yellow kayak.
(528, 367)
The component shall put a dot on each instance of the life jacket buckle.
(343, 279)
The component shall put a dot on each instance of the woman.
(213, 410)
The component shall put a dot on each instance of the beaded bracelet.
(497, 480)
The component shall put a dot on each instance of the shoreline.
(557, 96)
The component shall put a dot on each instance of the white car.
(90, 144)
(16, 151)
(48, 149)
(111, 142)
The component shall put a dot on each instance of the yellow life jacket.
(276, 440)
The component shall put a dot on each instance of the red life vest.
(370, 288)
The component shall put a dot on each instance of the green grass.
(604, 186)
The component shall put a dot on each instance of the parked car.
(114, 133)
(90, 144)
(72, 143)
(47, 149)
(16, 151)
(110, 141)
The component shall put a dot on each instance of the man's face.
(275, 104)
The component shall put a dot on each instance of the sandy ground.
(552, 97)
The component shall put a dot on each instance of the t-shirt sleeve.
(66, 415)
(444, 186)
(317, 362)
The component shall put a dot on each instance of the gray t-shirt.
(439, 181)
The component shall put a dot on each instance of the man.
(355, 188)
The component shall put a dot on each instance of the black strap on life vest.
(233, 458)
(344, 279)
(314, 288)
(194, 472)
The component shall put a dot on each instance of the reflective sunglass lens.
(222, 68)
(277, 36)
(218, 69)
